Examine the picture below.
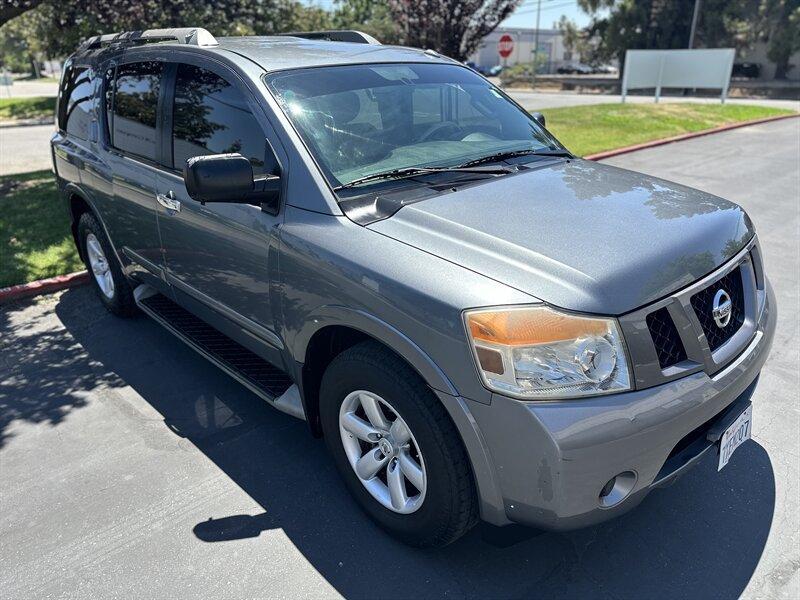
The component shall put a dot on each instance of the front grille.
(702, 303)
(665, 336)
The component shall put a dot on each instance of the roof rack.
(335, 35)
(193, 36)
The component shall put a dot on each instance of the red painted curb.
(684, 136)
(43, 286)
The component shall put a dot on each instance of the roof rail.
(193, 36)
(335, 35)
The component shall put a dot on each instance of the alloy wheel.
(382, 451)
(99, 265)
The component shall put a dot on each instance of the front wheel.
(396, 447)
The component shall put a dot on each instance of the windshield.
(360, 120)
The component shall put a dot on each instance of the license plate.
(734, 436)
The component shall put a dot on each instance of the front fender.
(374, 327)
(490, 499)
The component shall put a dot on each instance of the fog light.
(617, 489)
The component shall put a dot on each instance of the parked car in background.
(747, 70)
(495, 71)
(476, 68)
(377, 240)
(574, 69)
(606, 69)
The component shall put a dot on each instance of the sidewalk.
(533, 100)
(25, 148)
(28, 89)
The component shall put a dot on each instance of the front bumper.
(550, 460)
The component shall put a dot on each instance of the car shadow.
(702, 537)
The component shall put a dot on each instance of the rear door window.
(75, 103)
(211, 116)
(136, 91)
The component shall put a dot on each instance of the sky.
(525, 15)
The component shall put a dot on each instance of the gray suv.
(379, 241)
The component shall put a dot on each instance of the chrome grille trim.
(644, 356)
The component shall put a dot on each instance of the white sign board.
(7, 82)
(678, 69)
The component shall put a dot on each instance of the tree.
(298, 17)
(780, 26)
(454, 28)
(574, 38)
(620, 25)
(27, 38)
(370, 16)
(55, 27)
(661, 24)
(13, 8)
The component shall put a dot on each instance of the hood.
(578, 235)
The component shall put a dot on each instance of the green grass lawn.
(35, 241)
(588, 129)
(27, 108)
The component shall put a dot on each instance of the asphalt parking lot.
(129, 467)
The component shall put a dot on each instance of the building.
(551, 46)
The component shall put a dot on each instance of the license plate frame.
(734, 436)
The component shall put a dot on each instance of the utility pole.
(536, 43)
(695, 16)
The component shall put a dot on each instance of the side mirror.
(228, 178)
(539, 118)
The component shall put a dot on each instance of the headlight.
(539, 353)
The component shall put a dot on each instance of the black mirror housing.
(227, 178)
(218, 178)
(539, 118)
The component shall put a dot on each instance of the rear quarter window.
(75, 103)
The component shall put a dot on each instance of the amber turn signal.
(530, 326)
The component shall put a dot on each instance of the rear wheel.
(109, 282)
(396, 447)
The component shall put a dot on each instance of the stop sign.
(505, 45)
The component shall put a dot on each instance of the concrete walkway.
(29, 89)
(129, 467)
(25, 148)
(539, 100)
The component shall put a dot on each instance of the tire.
(448, 507)
(113, 288)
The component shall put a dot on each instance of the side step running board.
(249, 369)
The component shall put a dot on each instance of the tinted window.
(75, 105)
(212, 117)
(135, 108)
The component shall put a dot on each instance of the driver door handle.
(169, 202)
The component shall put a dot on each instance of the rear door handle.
(168, 201)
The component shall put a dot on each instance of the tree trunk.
(34, 67)
(782, 68)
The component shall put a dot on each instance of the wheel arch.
(78, 203)
(332, 329)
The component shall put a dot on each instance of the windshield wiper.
(414, 171)
(514, 153)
